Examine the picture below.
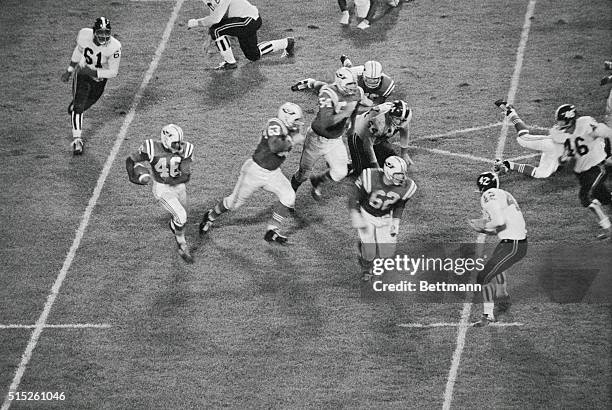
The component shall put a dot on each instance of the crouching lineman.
(376, 204)
(170, 160)
(369, 142)
(338, 105)
(262, 170)
(551, 146)
(502, 217)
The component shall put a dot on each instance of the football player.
(238, 18)
(376, 204)
(376, 85)
(170, 159)
(95, 59)
(365, 11)
(551, 147)
(369, 142)
(262, 171)
(502, 217)
(584, 140)
(338, 104)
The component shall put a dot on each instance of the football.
(142, 173)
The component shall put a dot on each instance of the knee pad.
(287, 198)
(179, 218)
(361, 8)
(338, 173)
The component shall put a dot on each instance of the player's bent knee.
(252, 55)
(338, 173)
(287, 198)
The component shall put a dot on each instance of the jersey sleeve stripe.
(188, 150)
(389, 89)
(367, 180)
(410, 190)
(150, 147)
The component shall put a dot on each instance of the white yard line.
(452, 154)
(518, 66)
(454, 324)
(455, 132)
(65, 326)
(42, 320)
(467, 307)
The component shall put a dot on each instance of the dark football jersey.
(274, 145)
(378, 94)
(378, 198)
(331, 102)
(165, 165)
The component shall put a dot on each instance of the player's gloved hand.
(192, 23)
(357, 220)
(66, 76)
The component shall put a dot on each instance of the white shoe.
(344, 19)
(363, 25)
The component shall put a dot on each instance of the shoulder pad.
(276, 127)
(412, 187)
(328, 92)
(115, 44)
(387, 85)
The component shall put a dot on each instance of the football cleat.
(224, 66)
(344, 19)
(345, 61)
(183, 251)
(290, 49)
(484, 321)
(363, 25)
(272, 235)
(503, 305)
(315, 191)
(205, 225)
(501, 167)
(603, 235)
(77, 146)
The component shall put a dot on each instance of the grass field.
(251, 325)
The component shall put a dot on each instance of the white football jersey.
(586, 144)
(103, 58)
(500, 208)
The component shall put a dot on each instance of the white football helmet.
(396, 169)
(345, 81)
(372, 74)
(171, 137)
(291, 115)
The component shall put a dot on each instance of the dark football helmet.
(400, 112)
(566, 116)
(487, 180)
(102, 31)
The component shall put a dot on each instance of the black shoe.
(345, 61)
(183, 250)
(503, 305)
(290, 49)
(315, 191)
(273, 236)
(77, 146)
(486, 319)
(205, 225)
